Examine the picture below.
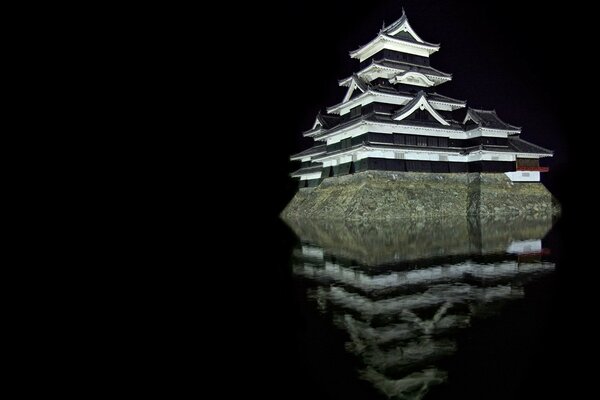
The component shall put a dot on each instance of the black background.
(529, 62)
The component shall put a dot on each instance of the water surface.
(403, 305)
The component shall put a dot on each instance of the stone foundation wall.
(389, 195)
(498, 195)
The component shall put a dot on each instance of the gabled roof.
(400, 37)
(309, 152)
(488, 119)
(328, 121)
(362, 85)
(419, 102)
(322, 121)
(355, 82)
(401, 29)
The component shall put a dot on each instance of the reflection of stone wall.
(407, 239)
(493, 233)
(386, 241)
(385, 195)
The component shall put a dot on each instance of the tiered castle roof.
(390, 111)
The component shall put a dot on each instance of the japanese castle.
(392, 119)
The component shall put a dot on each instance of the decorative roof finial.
(382, 25)
(403, 13)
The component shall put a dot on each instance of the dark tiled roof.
(311, 151)
(515, 145)
(523, 146)
(396, 24)
(327, 121)
(388, 89)
(453, 124)
(432, 124)
(407, 37)
(375, 117)
(424, 69)
(489, 119)
(311, 131)
(384, 32)
(440, 97)
(356, 146)
(411, 103)
(430, 96)
(501, 149)
(345, 124)
(308, 170)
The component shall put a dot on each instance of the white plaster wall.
(426, 155)
(523, 176)
(378, 127)
(314, 175)
(344, 159)
(491, 157)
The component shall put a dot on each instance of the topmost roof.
(399, 36)
(401, 29)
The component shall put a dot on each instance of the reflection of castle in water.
(401, 289)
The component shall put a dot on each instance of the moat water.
(424, 308)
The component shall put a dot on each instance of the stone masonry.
(385, 195)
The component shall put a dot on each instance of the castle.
(393, 147)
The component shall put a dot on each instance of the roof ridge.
(412, 102)
(396, 23)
